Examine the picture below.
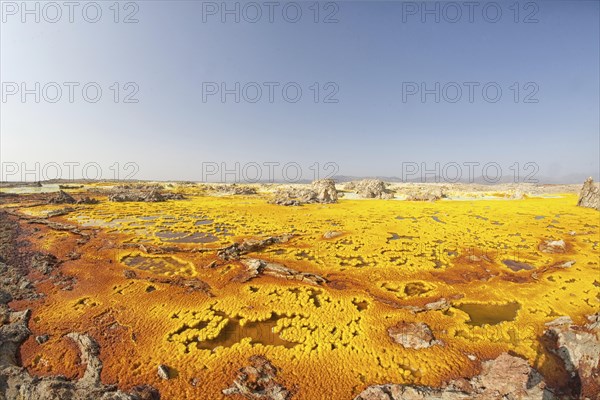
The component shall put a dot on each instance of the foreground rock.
(16, 383)
(589, 195)
(257, 381)
(321, 191)
(511, 377)
(506, 377)
(413, 335)
(256, 267)
(370, 189)
(579, 348)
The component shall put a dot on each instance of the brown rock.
(325, 190)
(256, 267)
(413, 335)
(62, 198)
(553, 246)
(370, 189)
(163, 372)
(579, 348)
(589, 195)
(234, 251)
(506, 377)
(332, 234)
(257, 381)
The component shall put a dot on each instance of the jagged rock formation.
(589, 195)
(506, 377)
(236, 250)
(553, 246)
(325, 190)
(233, 189)
(425, 194)
(370, 189)
(62, 198)
(257, 381)
(44, 262)
(152, 196)
(256, 267)
(321, 191)
(579, 348)
(87, 200)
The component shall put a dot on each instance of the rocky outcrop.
(44, 262)
(425, 194)
(62, 198)
(412, 335)
(506, 377)
(589, 195)
(321, 191)
(236, 250)
(579, 348)
(87, 200)
(553, 246)
(232, 189)
(325, 190)
(370, 189)
(152, 196)
(257, 381)
(256, 267)
(294, 197)
(332, 234)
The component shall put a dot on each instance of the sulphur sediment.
(472, 271)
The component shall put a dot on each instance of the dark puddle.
(259, 332)
(395, 236)
(489, 314)
(360, 305)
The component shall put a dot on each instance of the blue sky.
(370, 57)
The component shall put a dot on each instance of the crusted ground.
(146, 281)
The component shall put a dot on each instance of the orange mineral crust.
(332, 301)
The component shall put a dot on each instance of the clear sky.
(374, 58)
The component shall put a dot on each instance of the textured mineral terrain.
(364, 290)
